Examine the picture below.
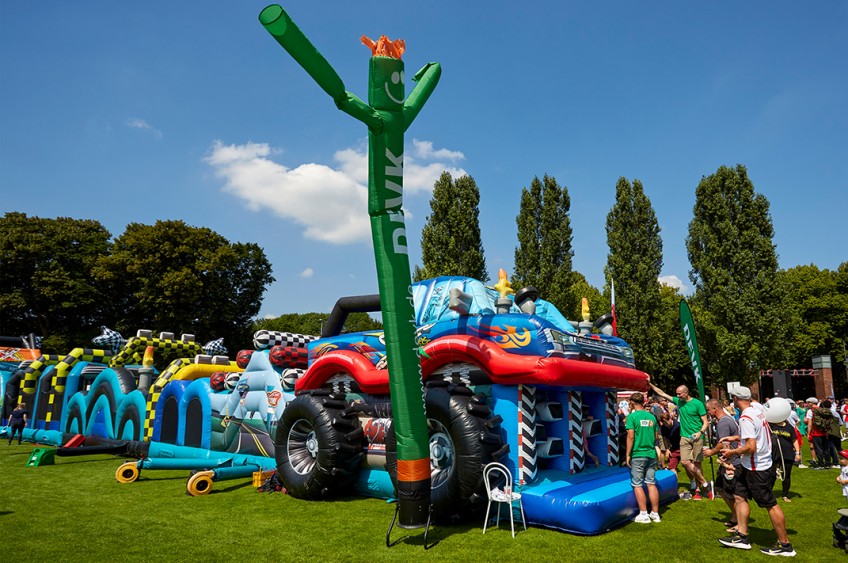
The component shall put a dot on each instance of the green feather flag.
(688, 327)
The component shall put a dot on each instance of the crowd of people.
(753, 455)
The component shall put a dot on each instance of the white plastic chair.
(493, 474)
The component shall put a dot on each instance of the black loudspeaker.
(783, 384)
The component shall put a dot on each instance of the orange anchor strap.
(413, 470)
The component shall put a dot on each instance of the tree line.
(63, 278)
(749, 314)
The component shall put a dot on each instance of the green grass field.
(77, 511)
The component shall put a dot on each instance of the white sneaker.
(643, 518)
(802, 466)
(654, 517)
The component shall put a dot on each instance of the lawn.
(77, 511)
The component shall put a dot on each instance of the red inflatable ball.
(243, 358)
(217, 380)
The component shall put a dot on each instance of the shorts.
(726, 487)
(691, 449)
(643, 470)
(673, 459)
(755, 485)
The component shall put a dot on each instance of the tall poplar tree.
(451, 244)
(633, 264)
(744, 314)
(543, 256)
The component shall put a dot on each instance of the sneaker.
(708, 490)
(654, 517)
(737, 540)
(686, 495)
(642, 518)
(802, 466)
(697, 495)
(784, 549)
(834, 467)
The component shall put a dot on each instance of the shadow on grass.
(436, 534)
(67, 461)
(229, 488)
(6, 512)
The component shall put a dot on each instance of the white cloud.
(424, 149)
(331, 206)
(141, 124)
(330, 203)
(418, 174)
(673, 281)
(307, 273)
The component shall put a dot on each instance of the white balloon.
(777, 409)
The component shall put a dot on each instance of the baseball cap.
(741, 393)
(844, 453)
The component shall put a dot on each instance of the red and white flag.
(612, 298)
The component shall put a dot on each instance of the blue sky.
(132, 112)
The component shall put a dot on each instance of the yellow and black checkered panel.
(33, 372)
(135, 347)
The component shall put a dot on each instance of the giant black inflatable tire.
(464, 437)
(318, 446)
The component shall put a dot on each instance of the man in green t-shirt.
(641, 429)
(693, 425)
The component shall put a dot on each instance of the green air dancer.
(388, 115)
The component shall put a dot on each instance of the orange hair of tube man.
(385, 47)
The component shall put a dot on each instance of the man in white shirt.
(754, 480)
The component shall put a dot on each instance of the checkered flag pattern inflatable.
(264, 339)
(289, 356)
(215, 347)
(110, 339)
(289, 378)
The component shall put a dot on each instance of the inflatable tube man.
(388, 115)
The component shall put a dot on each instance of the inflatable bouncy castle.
(507, 378)
(463, 375)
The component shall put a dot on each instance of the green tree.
(450, 241)
(543, 256)
(182, 279)
(743, 313)
(671, 365)
(633, 265)
(820, 306)
(313, 323)
(580, 288)
(46, 282)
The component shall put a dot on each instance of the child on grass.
(843, 475)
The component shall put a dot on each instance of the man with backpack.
(823, 425)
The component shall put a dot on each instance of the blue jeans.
(643, 470)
